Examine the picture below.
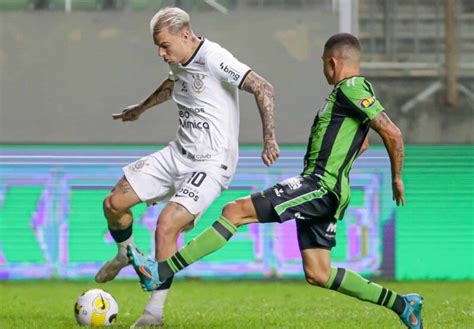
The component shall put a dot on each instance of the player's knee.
(233, 212)
(166, 228)
(111, 207)
(318, 278)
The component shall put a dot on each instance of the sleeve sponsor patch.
(233, 73)
(367, 102)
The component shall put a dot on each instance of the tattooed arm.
(160, 95)
(393, 140)
(264, 96)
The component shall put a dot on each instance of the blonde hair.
(172, 19)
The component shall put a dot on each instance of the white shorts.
(169, 176)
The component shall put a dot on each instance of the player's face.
(173, 48)
(329, 67)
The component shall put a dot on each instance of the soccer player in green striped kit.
(318, 197)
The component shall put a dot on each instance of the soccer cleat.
(110, 269)
(411, 315)
(146, 268)
(147, 320)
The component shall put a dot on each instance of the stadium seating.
(413, 31)
(15, 4)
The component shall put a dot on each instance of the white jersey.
(206, 92)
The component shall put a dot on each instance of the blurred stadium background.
(67, 65)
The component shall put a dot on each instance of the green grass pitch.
(235, 304)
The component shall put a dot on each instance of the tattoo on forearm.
(160, 95)
(392, 139)
(265, 99)
(398, 159)
(163, 93)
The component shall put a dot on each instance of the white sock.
(157, 302)
(122, 247)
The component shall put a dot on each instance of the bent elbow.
(268, 88)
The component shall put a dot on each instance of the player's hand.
(271, 152)
(398, 191)
(131, 113)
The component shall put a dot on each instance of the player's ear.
(185, 34)
(333, 62)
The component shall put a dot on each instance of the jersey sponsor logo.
(193, 124)
(299, 216)
(230, 71)
(195, 110)
(198, 157)
(367, 102)
(187, 192)
(278, 191)
(200, 61)
(331, 228)
(293, 183)
(198, 83)
(185, 120)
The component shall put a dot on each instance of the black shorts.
(305, 200)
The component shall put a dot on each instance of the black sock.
(399, 305)
(166, 284)
(164, 271)
(121, 235)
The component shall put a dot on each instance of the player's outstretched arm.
(160, 95)
(265, 98)
(393, 140)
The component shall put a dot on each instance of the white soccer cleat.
(147, 320)
(110, 269)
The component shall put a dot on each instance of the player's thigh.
(122, 197)
(152, 176)
(196, 191)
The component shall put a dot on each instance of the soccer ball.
(96, 308)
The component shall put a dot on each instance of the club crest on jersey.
(198, 83)
(367, 102)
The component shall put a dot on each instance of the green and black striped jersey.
(337, 134)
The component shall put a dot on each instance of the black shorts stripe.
(181, 259)
(382, 295)
(176, 263)
(338, 279)
(226, 234)
(387, 299)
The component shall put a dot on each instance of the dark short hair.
(342, 40)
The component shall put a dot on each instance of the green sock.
(352, 284)
(211, 239)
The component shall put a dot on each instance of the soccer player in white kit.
(191, 171)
